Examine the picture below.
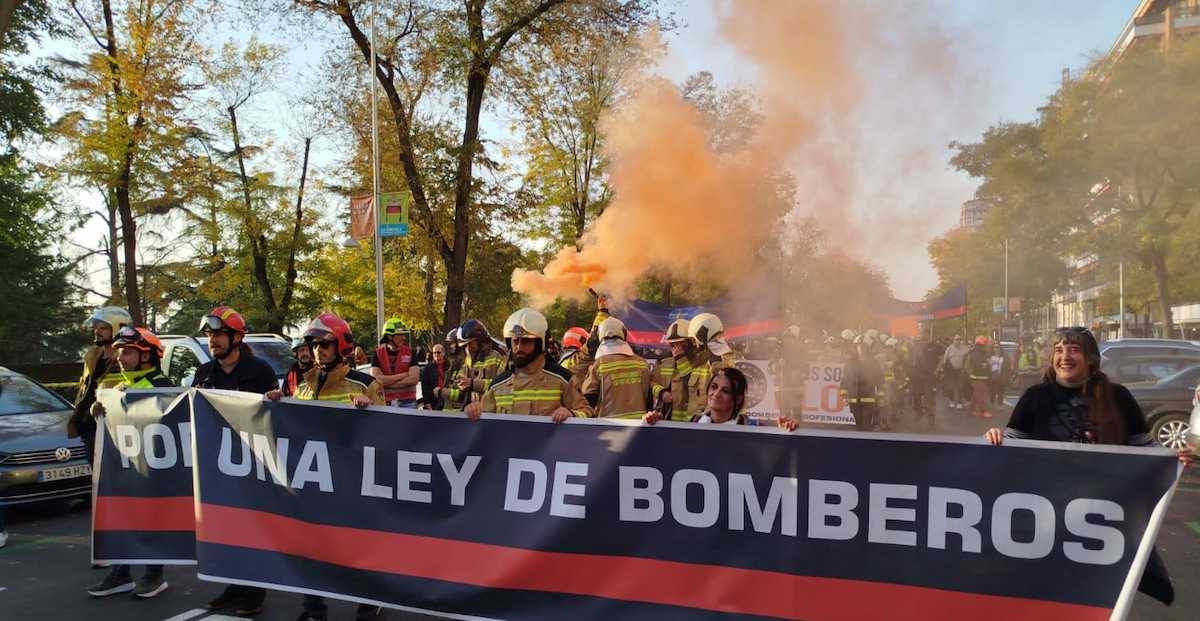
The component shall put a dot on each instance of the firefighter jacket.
(98, 372)
(146, 378)
(487, 364)
(577, 361)
(892, 364)
(978, 365)
(1028, 362)
(621, 386)
(862, 381)
(534, 390)
(339, 385)
(704, 364)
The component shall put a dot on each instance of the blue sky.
(1016, 50)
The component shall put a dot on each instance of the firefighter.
(484, 361)
(922, 373)
(893, 379)
(100, 370)
(673, 371)
(978, 367)
(707, 334)
(575, 357)
(395, 367)
(862, 384)
(620, 383)
(449, 393)
(534, 385)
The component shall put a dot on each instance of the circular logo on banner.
(757, 384)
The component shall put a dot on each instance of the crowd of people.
(595, 372)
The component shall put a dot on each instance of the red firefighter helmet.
(223, 318)
(574, 338)
(140, 339)
(328, 326)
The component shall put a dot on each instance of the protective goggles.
(519, 332)
(128, 337)
(211, 323)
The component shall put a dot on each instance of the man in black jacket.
(233, 367)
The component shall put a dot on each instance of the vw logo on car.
(62, 453)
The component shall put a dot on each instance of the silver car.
(37, 460)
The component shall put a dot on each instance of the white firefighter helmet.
(526, 323)
(848, 334)
(865, 339)
(873, 333)
(891, 341)
(794, 331)
(707, 330)
(677, 331)
(611, 328)
(115, 316)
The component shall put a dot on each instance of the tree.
(1105, 171)
(127, 129)
(433, 43)
(561, 89)
(238, 75)
(39, 310)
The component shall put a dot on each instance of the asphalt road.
(44, 569)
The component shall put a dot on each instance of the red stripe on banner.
(142, 513)
(643, 337)
(950, 312)
(691, 585)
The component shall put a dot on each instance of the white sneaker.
(3, 538)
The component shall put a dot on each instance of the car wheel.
(1171, 430)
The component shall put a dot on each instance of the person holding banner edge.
(1076, 402)
(233, 367)
(139, 354)
(333, 379)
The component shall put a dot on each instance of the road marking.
(1195, 526)
(191, 614)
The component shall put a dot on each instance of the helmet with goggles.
(223, 319)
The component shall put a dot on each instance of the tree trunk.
(133, 301)
(289, 285)
(456, 276)
(258, 241)
(1159, 264)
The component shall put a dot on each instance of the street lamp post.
(375, 186)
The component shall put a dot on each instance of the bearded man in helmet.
(393, 365)
(619, 384)
(484, 361)
(576, 357)
(707, 334)
(295, 374)
(332, 377)
(534, 385)
(139, 355)
(100, 370)
(234, 367)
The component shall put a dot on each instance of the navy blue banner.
(517, 518)
(143, 509)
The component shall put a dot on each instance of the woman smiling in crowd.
(1077, 403)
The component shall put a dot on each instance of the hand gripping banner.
(142, 504)
(517, 518)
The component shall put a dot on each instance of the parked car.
(182, 355)
(1147, 347)
(1168, 404)
(1128, 369)
(37, 460)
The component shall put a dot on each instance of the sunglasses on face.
(324, 344)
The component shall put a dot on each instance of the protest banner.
(823, 402)
(761, 392)
(516, 518)
(143, 504)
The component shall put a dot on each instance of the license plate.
(66, 472)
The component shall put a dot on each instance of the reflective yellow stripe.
(627, 415)
(683, 367)
(623, 364)
(343, 397)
